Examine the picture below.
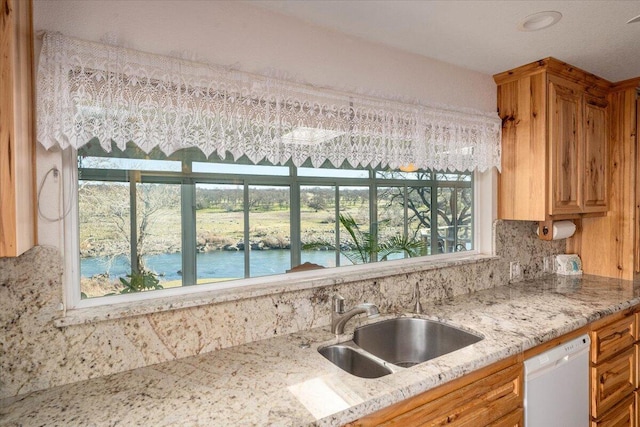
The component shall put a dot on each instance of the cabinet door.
(565, 119)
(622, 415)
(480, 403)
(612, 338)
(595, 155)
(17, 214)
(514, 419)
(612, 381)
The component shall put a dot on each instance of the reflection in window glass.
(132, 164)
(318, 225)
(269, 230)
(158, 242)
(334, 173)
(419, 217)
(441, 176)
(219, 232)
(395, 174)
(105, 230)
(454, 220)
(464, 237)
(355, 237)
(391, 230)
(239, 169)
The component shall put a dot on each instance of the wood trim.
(636, 210)
(633, 83)
(555, 342)
(591, 83)
(607, 320)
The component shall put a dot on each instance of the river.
(215, 264)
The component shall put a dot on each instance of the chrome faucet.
(339, 317)
(417, 307)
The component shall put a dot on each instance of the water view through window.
(161, 223)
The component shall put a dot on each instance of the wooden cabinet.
(614, 371)
(554, 142)
(623, 415)
(17, 214)
(610, 245)
(492, 396)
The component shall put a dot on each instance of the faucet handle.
(338, 303)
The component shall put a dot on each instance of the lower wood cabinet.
(622, 415)
(492, 396)
(614, 371)
(612, 381)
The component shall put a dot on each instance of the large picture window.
(151, 222)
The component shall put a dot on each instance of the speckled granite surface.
(277, 382)
(41, 347)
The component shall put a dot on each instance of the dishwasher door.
(556, 386)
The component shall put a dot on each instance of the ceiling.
(483, 35)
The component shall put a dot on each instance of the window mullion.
(294, 219)
(405, 211)
(247, 242)
(434, 220)
(373, 216)
(188, 213)
(337, 222)
(134, 178)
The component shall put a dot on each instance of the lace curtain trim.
(90, 90)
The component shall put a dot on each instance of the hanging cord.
(61, 193)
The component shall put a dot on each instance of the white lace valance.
(90, 90)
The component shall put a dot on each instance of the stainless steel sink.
(390, 345)
(352, 361)
(407, 341)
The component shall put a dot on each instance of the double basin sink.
(391, 345)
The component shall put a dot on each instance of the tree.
(453, 210)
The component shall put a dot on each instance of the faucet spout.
(339, 317)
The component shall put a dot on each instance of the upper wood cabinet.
(17, 194)
(616, 252)
(554, 142)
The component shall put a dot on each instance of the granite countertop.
(285, 382)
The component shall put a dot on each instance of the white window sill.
(261, 286)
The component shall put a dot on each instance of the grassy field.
(105, 225)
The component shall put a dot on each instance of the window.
(149, 222)
(158, 209)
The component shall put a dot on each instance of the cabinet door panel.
(612, 381)
(596, 155)
(514, 419)
(623, 415)
(564, 124)
(613, 338)
(479, 403)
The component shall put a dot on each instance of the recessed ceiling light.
(539, 21)
(632, 20)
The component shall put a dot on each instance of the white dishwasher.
(556, 386)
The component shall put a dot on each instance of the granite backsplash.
(35, 354)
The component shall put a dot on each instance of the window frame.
(484, 214)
